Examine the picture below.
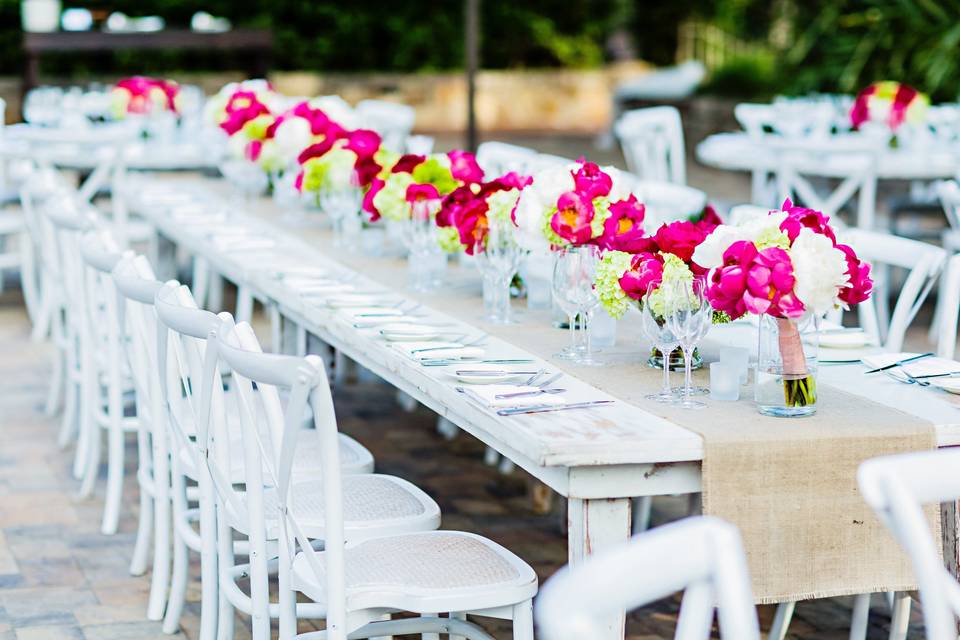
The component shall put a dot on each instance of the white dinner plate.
(357, 300)
(845, 340)
(408, 332)
(950, 385)
(498, 373)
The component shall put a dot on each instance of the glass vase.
(786, 382)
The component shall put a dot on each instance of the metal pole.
(471, 11)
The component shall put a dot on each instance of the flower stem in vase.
(799, 388)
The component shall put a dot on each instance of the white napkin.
(924, 367)
(451, 350)
(487, 395)
(301, 273)
(364, 313)
(367, 323)
(242, 243)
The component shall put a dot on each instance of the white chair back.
(801, 174)
(949, 304)
(652, 143)
(271, 462)
(392, 120)
(498, 158)
(702, 556)
(896, 487)
(949, 193)
(923, 262)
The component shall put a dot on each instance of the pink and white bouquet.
(890, 104)
(467, 212)
(415, 185)
(143, 95)
(341, 160)
(633, 262)
(579, 204)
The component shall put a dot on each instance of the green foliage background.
(813, 45)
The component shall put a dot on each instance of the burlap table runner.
(788, 484)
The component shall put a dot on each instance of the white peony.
(536, 200)
(292, 136)
(764, 231)
(819, 269)
(338, 110)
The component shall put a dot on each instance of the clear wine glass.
(562, 276)
(573, 285)
(687, 311)
(420, 238)
(498, 260)
(655, 328)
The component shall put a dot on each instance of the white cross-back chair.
(652, 143)
(107, 375)
(802, 170)
(392, 120)
(896, 488)
(137, 287)
(923, 262)
(373, 504)
(949, 309)
(497, 158)
(949, 194)
(701, 556)
(182, 344)
(361, 576)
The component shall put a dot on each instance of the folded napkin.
(242, 243)
(371, 316)
(487, 395)
(361, 322)
(428, 350)
(301, 272)
(924, 367)
(316, 288)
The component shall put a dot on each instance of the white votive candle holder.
(724, 382)
(738, 358)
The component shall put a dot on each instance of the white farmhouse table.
(597, 458)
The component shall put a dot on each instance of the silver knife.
(444, 362)
(544, 408)
(487, 372)
(448, 347)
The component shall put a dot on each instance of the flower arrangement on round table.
(143, 95)
(785, 267)
(889, 105)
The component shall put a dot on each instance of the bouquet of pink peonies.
(787, 265)
(143, 95)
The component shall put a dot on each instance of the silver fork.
(906, 379)
(530, 380)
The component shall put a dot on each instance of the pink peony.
(708, 220)
(407, 163)
(422, 192)
(464, 167)
(298, 182)
(754, 281)
(242, 107)
(367, 205)
(861, 284)
(472, 224)
(623, 230)
(681, 238)
(506, 182)
(315, 150)
(363, 142)
(572, 219)
(253, 150)
(799, 217)
(366, 169)
(646, 269)
(590, 181)
(452, 203)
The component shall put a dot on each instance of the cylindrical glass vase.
(786, 381)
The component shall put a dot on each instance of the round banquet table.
(744, 152)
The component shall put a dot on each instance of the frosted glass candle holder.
(738, 358)
(724, 382)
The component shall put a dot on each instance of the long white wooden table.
(598, 458)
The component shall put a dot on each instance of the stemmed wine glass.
(420, 238)
(498, 260)
(655, 328)
(688, 315)
(573, 276)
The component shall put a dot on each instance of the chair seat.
(354, 458)
(374, 505)
(424, 573)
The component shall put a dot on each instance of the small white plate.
(950, 385)
(499, 374)
(406, 332)
(845, 340)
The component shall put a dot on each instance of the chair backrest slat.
(652, 142)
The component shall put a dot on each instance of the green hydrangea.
(601, 211)
(772, 238)
(391, 201)
(607, 282)
(721, 317)
(548, 231)
(501, 203)
(386, 159)
(449, 239)
(432, 171)
(313, 175)
(675, 270)
(256, 129)
(336, 167)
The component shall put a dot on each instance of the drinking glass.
(573, 277)
(688, 315)
(420, 237)
(498, 261)
(655, 328)
(248, 177)
(342, 204)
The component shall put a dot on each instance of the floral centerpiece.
(467, 212)
(785, 267)
(890, 105)
(415, 185)
(142, 95)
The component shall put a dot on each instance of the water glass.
(724, 381)
(655, 329)
(688, 315)
(426, 261)
(573, 277)
(498, 261)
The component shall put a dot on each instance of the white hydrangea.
(764, 231)
(292, 136)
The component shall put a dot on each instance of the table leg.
(594, 525)
(950, 525)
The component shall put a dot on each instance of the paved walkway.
(60, 579)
